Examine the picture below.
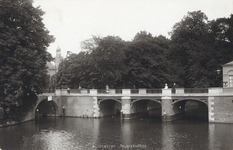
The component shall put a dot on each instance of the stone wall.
(76, 106)
(220, 109)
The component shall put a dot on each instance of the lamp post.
(218, 77)
(63, 111)
(37, 115)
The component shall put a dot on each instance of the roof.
(229, 64)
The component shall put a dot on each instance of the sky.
(73, 21)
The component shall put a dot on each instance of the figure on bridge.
(107, 89)
(166, 87)
(174, 88)
(68, 90)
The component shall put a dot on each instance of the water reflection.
(167, 136)
(114, 133)
(220, 136)
(51, 139)
(126, 132)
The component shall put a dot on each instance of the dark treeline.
(23, 56)
(191, 57)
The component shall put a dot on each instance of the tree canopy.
(23, 52)
(120, 64)
(199, 47)
(191, 57)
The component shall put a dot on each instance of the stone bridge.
(132, 103)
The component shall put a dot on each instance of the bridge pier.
(166, 109)
(126, 108)
(96, 112)
(170, 112)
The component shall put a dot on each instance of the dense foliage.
(23, 55)
(199, 47)
(191, 57)
(117, 63)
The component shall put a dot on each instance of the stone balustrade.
(163, 92)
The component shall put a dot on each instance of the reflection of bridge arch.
(45, 100)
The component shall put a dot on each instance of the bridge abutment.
(220, 109)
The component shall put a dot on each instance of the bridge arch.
(109, 107)
(145, 99)
(105, 99)
(205, 101)
(44, 100)
(147, 107)
(192, 108)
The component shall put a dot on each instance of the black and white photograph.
(116, 74)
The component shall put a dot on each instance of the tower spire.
(58, 57)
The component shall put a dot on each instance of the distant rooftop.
(230, 63)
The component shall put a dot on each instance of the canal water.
(114, 133)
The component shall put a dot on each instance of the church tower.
(58, 57)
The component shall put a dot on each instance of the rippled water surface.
(114, 133)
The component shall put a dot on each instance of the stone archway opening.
(46, 109)
(109, 108)
(146, 108)
(154, 109)
(191, 109)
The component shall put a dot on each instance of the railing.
(196, 90)
(110, 91)
(178, 91)
(75, 90)
(80, 91)
(118, 91)
(102, 91)
(134, 91)
(151, 91)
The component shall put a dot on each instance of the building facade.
(53, 68)
(228, 75)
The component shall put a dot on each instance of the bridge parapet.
(218, 91)
(215, 91)
(61, 92)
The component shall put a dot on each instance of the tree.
(200, 47)
(191, 47)
(146, 62)
(72, 70)
(23, 54)
(107, 61)
(222, 30)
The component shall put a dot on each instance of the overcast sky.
(73, 21)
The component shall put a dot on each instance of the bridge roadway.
(137, 102)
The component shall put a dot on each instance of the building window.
(230, 80)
